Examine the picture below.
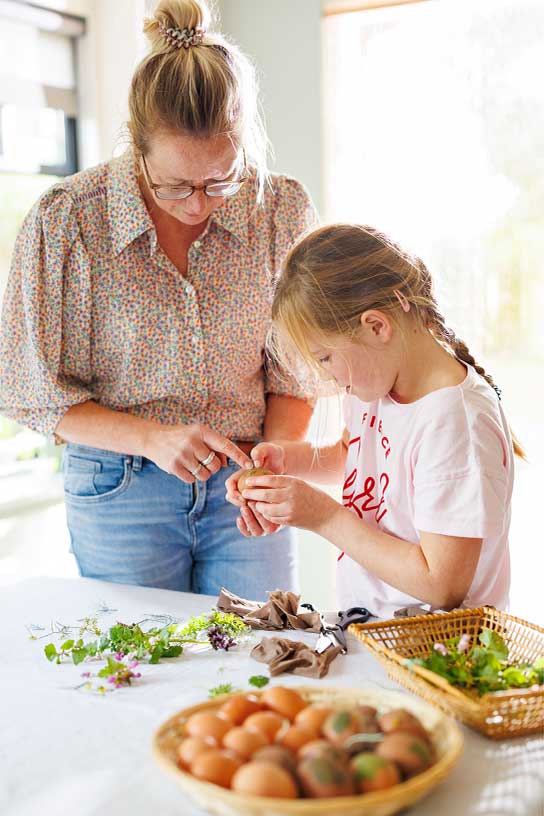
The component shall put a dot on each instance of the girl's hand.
(265, 455)
(286, 500)
(251, 522)
(182, 449)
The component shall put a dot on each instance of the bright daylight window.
(435, 133)
(37, 146)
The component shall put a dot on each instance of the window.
(38, 145)
(435, 123)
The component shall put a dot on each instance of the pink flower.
(441, 649)
(464, 643)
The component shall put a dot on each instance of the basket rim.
(410, 622)
(440, 767)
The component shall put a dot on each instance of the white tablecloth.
(73, 752)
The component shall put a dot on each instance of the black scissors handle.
(355, 614)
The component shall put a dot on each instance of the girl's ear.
(376, 326)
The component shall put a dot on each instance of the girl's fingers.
(272, 512)
(251, 522)
(268, 526)
(240, 523)
(264, 495)
(275, 482)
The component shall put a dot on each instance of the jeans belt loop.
(136, 462)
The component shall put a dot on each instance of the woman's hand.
(286, 500)
(191, 451)
(250, 522)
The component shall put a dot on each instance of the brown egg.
(278, 755)
(312, 717)
(319, 777)
(191, 747)
(237, 708)
(248, 474)
(264, 779)
(285, 701)
(267, 722)
(373, 773)
(323, 748)
(398, 719)
(365, 739)
(367, 712)
(216, 766)
(207, 724)
(295, 737)
(411, 753)
(342, 724)
(244, 742)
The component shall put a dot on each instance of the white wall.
(284, 39)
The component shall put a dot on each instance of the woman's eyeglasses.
(218, 189)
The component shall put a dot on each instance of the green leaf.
(50, 651)
(67, 645)
(259, 680)
(78, 656)
(539, 663)
(172, 651)
(224, 688)
(494, 643)
(156, 654)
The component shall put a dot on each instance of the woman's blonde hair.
(337, 272)
(205, 90)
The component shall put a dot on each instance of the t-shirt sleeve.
(45, 328)
(294, 215)
(460, 478)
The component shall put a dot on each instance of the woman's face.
(176, 160)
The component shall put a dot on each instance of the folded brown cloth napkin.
(280, 611)
(284, 655)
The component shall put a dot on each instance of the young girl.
(427, 455)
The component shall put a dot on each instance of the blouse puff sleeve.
(294, 216)
(45, 332)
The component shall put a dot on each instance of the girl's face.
(366, 367)
(177, 160)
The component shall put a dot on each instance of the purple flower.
(133, 664)
(119, 656)
(464, 643)
(441, 649)
(112, 678)
(219, 638)
(86, 674)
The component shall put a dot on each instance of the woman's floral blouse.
(94, 310)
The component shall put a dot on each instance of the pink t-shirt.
(442, 464)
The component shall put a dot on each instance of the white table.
(73, 752)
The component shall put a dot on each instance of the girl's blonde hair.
(337, 272)
(205, 90)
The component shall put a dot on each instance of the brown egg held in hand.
(191, 747)
(244, 742)
(373, 773)
(264, 779)
(249, 474)
(238, 708)
(206, 724)
(216, 766)
(284, 701)
(267, 722)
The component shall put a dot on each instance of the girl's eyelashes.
(325, 359)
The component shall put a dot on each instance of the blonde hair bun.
(180, 14)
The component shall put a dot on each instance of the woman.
(135, 319)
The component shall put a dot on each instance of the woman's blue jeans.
(131, 522)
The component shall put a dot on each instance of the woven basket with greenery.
(497, 714)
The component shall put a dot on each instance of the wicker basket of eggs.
(308, 750)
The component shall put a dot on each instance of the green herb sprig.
(482, 668)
